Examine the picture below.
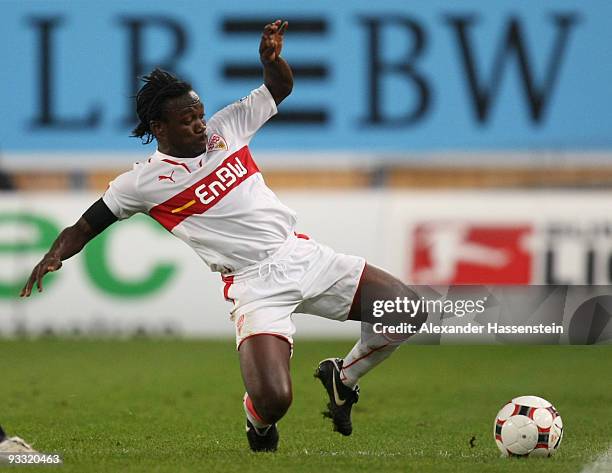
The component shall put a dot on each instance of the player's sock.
(365, 355)
(254, 418)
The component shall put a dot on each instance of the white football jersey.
(218, 202)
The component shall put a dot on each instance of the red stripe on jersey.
(208, 191)
(175, 163)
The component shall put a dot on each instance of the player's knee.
(274, 403)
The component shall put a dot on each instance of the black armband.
(99, 216)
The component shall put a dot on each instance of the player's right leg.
(264, 363)
(264, 299)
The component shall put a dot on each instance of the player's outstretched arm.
(69, 242)
(277, 73)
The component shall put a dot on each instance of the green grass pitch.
(175, 406)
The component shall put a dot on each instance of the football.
(528, 425)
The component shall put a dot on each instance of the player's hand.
(48, 264)
(272, 41)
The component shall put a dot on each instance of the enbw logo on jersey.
(227, 175)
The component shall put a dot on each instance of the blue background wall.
(420, 99)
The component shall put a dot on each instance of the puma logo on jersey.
(170, 178)
(216, 143)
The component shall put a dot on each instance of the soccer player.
(204, 187)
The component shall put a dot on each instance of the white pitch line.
(602, 464)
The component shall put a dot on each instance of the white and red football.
(528, 425)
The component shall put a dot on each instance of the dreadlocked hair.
(158, 86)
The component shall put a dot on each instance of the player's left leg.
(340, 376)
(264, 363)
(371, 349)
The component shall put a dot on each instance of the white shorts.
(303, 276)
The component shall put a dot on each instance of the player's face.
(184, 128)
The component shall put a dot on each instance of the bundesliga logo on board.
(467, 253)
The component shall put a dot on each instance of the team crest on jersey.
(216, 143)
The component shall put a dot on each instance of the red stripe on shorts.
(357, 290)
(277, 335)
(229, 280)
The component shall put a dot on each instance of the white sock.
(252, 415)
(365, 355)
